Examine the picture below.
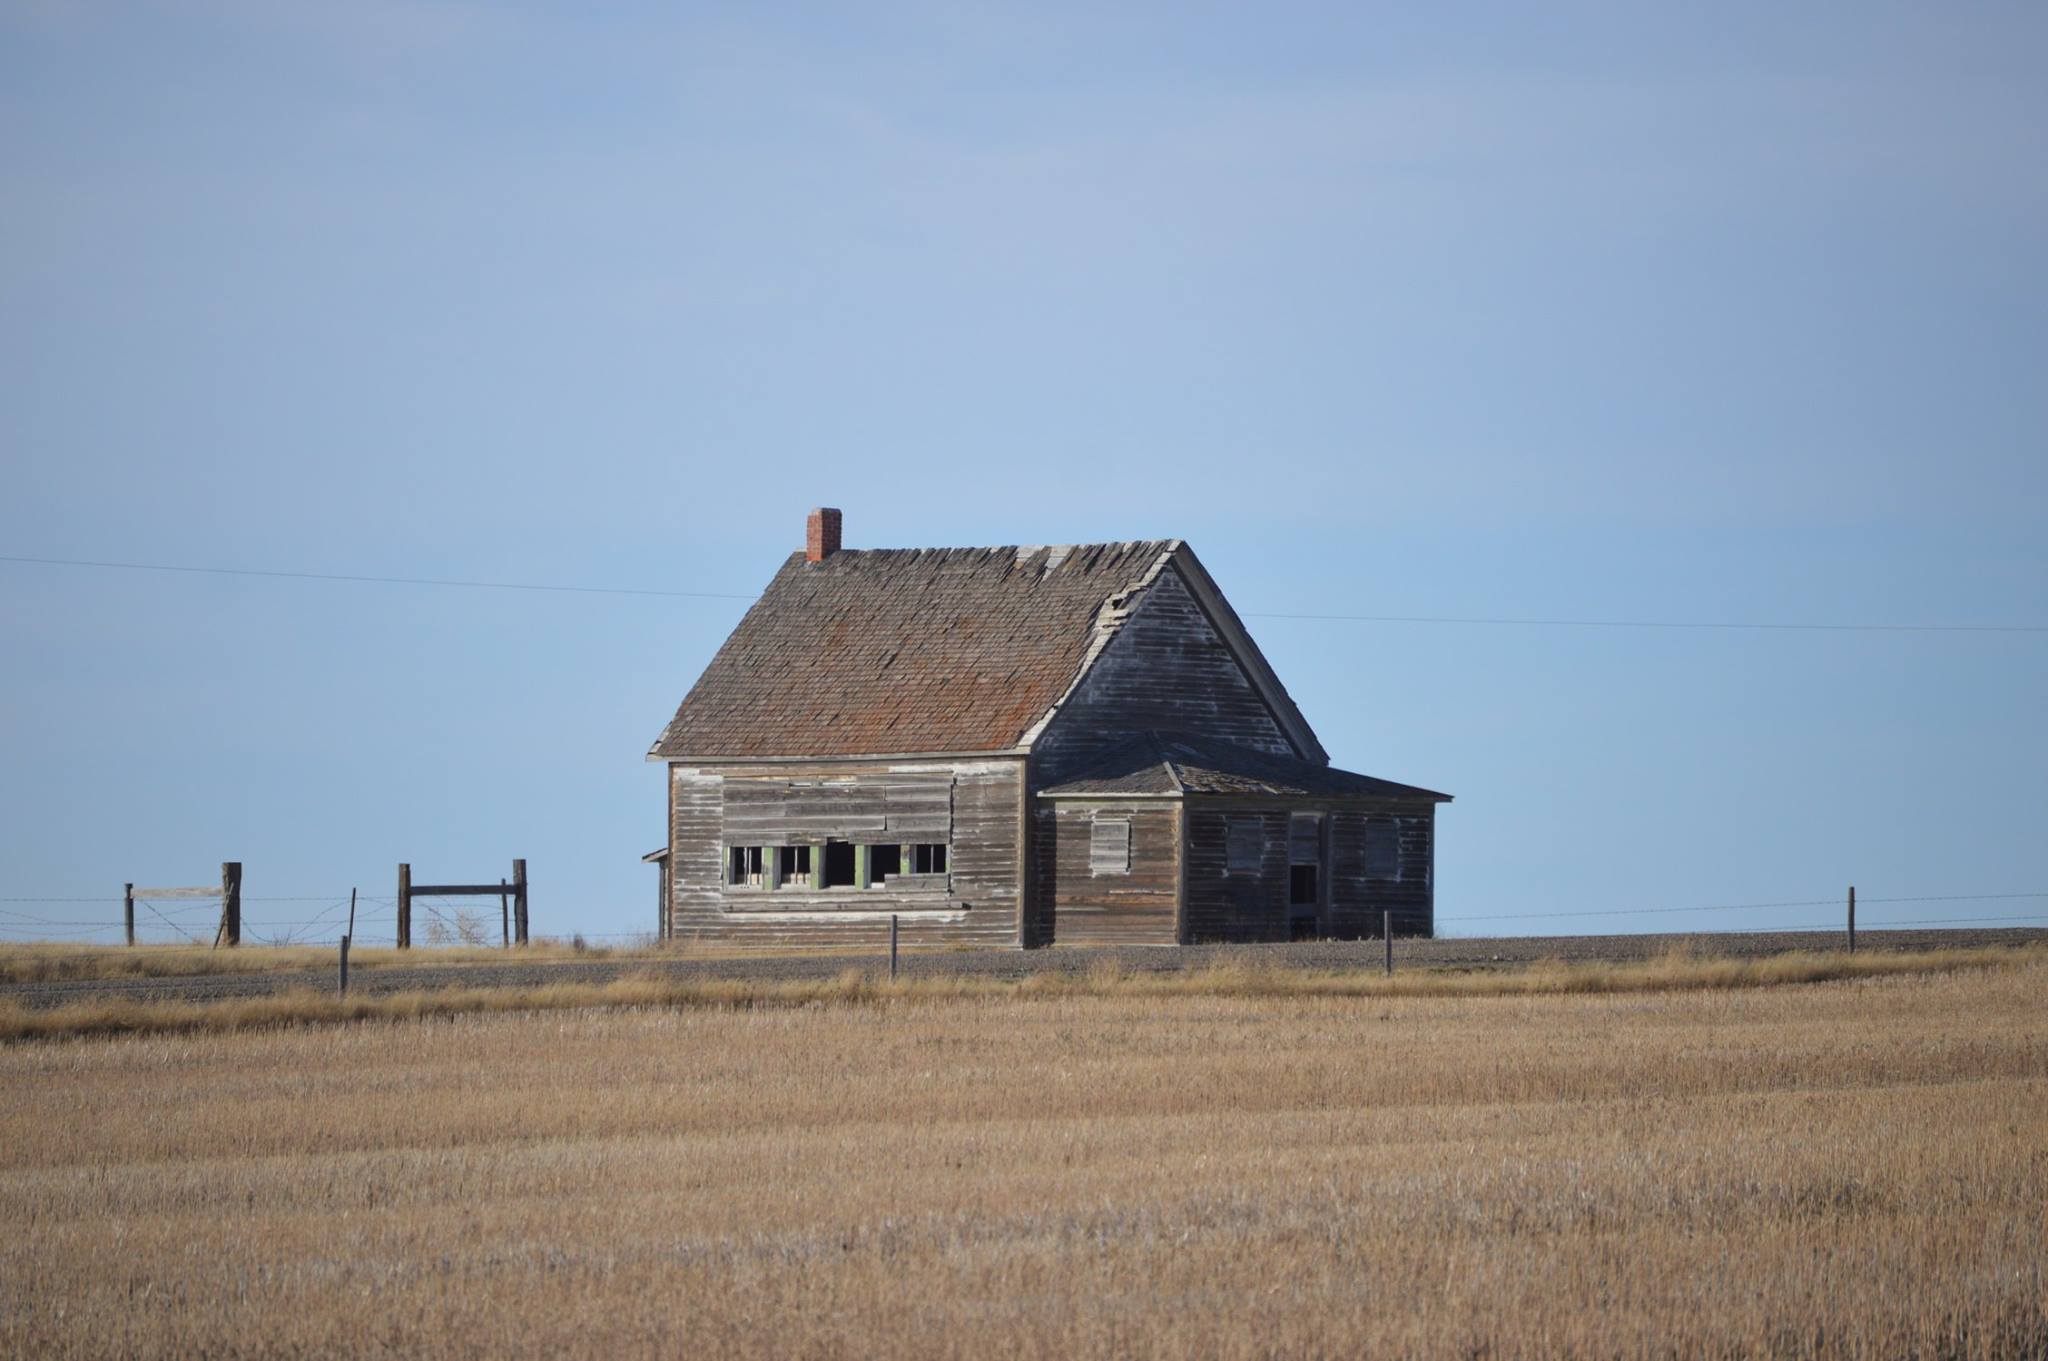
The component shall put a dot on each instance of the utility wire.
(376, 580)
(1510, 621)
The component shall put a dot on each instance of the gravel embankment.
(1468, 953)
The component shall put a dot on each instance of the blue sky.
(1611, 311)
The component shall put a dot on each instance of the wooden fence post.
(892, 947)
(1852, 919)
(519, 902)
(344, 966)
(1387, 935)
(504, 919)
(128, 910)
(231, 901)
(404, 907)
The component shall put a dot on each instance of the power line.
(1723, 625)
(1801, 626)
(375, 580)
(1732, 907)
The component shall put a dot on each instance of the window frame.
(1249, 823)
(1098, 823)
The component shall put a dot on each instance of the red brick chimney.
(821, 534)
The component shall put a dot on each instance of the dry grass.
(1094, 1167)
(1678, 970)
(34, 962)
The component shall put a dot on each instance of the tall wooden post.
(405, 907)
(1852, 919)
(128, 910)
(519, 899)
(344, 967)
(504, 919)
(1387, 934)
(231, 901)
(892, 947)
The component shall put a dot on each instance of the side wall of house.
(1090, 896)
(1363, 883)
(972, 807)
(1366, 871)
(1167, 669)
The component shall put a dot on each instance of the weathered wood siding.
(1243, 904)
(1225, 904)
(1169, 670)
(1084, 904)
(973, 806)
(1360, 886)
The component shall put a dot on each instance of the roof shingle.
(895, 651)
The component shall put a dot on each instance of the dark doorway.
(1302, 885)
(839, 864)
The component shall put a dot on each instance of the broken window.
(1109, 846)
(839, 864)
(795, 865)
(928, 858)
(884, 861)
(743, 866)
(1304, 859)
(1244, 844)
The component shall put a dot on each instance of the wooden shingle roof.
(901, 651)
(1155, 763)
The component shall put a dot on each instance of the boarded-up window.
(1305, 839)
(1382, 850)
(1109, 846)
(1244, 843)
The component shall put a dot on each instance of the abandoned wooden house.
(1017, 747)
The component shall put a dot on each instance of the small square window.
(795, 864)
(928, 858)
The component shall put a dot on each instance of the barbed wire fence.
(320, 919)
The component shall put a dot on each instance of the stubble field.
(1854, 1168)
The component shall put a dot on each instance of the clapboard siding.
(973, 805)
(1358, 897)
(1245, 905)
(1236, 905)
(1168, 670)
(1138, 907)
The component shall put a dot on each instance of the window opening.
(928, 858)
(884, 861)
(839, 864)
(1301, 885)
(795, 864)
(743, 867)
